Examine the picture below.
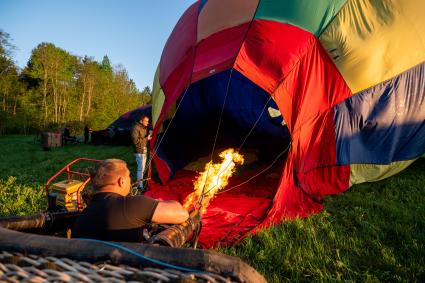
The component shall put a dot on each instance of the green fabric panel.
(310, 15)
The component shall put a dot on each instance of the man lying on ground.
(114, 215)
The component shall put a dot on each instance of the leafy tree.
(55, 69)
(57, 88)
(88, 82)
(10, 86)
(146, 95)
(8, 71)
(106, 64)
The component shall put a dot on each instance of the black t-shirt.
(112, 217)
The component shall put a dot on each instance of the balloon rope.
(255, 124)
(199, 203)
(256, 175)
(240, 147)
(181, 100)
(169, 124)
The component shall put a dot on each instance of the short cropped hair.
(143, 117)
(107, 172)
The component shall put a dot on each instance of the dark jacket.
(139, 137)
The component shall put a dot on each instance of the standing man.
(140, 137)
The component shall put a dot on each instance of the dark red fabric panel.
(162, 169)
(231, 215)
(180, 43)
(213, 54)
(270, 51)
(177, 59)
(218, 52)
(176, 67)
(173, 88)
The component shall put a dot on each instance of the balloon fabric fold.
(346, 77)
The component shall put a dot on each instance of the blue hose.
(142, 256)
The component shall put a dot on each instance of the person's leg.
(143, 157)
(139, 168)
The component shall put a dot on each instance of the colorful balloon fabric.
(346, 76)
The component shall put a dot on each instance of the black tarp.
(119, 132)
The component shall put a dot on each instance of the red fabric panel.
(231, 215)
(312, 87)
(306, 99)
(270, 51)
(274, 54)
(218, 52)
(290, 201)
(310, 172)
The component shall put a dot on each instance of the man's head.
(112, 175)
(144, 120)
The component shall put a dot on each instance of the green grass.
(375, 232)
(25, 167)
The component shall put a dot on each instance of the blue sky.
(130, 32)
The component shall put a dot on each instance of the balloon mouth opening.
(214, 113)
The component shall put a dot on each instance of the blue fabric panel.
(191, 134)
(384, 123)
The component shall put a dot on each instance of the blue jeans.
(141, 166)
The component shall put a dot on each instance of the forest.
(57, 89)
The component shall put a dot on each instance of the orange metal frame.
(70, 173)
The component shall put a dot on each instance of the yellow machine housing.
(67, 193)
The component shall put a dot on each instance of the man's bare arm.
(170, 212)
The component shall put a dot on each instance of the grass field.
(374, 232)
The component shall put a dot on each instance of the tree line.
(57, 89)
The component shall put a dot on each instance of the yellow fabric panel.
(158, 98)
(218, 15)
(371, 41)
(361, 173)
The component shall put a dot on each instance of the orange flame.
(213, 178)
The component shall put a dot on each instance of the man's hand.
(170, 212)
(149, 137)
